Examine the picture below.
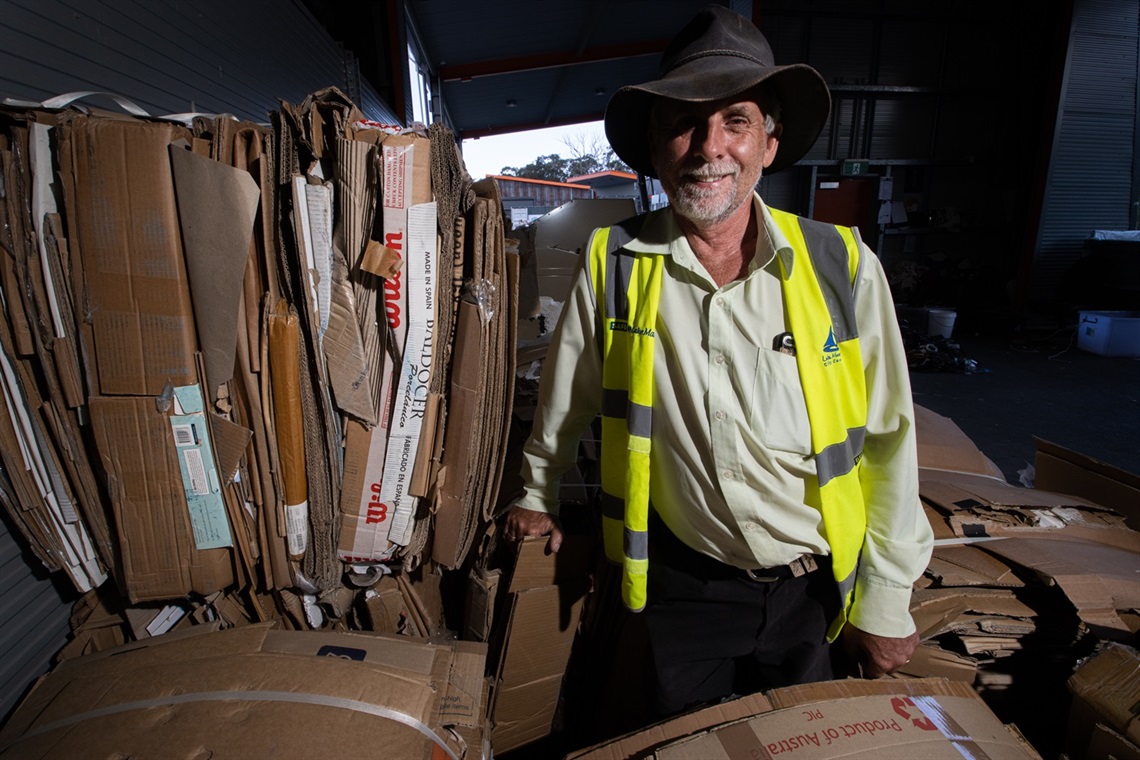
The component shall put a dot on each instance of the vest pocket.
(779, 412)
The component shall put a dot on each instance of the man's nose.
(708, 140)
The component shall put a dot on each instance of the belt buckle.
(752, 575)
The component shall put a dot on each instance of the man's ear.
(771, 145)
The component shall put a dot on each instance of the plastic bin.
(1109, 333)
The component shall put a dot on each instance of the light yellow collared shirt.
(731, 453)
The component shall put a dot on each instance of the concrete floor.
(1045, 387)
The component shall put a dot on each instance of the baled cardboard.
(365, 522)
(216, 208)
(160, 559)
(142, 335)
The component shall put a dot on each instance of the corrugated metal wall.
(209, 56)
(34, 612)
(1091, 184)
(170, 57)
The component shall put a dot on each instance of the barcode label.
(196, 469)
(183, 435)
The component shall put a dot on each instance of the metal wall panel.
(1090, 183)
(168, 57)
(34, 617)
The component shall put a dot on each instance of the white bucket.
(941, 322)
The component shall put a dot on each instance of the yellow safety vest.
(820, 302)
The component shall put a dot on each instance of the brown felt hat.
(717, 55)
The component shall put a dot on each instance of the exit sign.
(854, 167)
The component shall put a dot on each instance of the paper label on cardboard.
(415, 375)
(297, 528)
(318, 205)
(190, 428)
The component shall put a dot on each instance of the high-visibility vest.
(819, 299)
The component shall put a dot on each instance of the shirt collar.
(660, 234)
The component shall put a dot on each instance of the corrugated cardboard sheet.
(255, 692)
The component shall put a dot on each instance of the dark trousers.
(714, 632)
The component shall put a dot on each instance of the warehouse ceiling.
(501, 66)
(512, 65)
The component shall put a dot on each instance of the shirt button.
(719, 359)
(750, 526)
(727, 474)
(720, 415)
(720, 302)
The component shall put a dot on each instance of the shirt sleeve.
(899, 539)
(569, 396)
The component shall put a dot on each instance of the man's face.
(709, 156)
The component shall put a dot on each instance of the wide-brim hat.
(717, 55)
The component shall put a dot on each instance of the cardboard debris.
(1063, 470)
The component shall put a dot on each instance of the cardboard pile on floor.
(1023, 582)
(251, 372)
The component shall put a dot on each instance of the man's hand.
(521, 523)
(877, 655)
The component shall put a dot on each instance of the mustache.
(710, 171)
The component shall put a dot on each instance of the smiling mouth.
(708, 177)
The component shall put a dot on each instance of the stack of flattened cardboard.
(229, 355)
(1022, 582)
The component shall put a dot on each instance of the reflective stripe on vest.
(819, 297)
(629, 286)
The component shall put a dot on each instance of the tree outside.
(587, 155)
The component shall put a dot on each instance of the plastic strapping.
(241, 696)
(66, 99)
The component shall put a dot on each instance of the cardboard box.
(544, 607)
(1105, 689)
(255, 692)
(929, 718)
(642, 743)
(1063, 470)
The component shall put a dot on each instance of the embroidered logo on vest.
(618, 326)
(831, 353)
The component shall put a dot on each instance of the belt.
(801, 565)
(665, 547)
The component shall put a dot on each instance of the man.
(759, 470)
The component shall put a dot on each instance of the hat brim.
(804, 103)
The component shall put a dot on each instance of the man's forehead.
(743, 103)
